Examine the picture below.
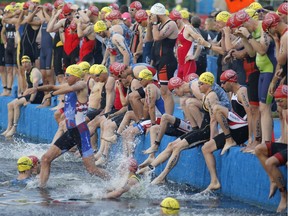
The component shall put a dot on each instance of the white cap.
(158, 9)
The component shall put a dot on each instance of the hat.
(85, 66)
(24, 163)
(255, 6)
(175, 15)
(174, 82)
(240, 18)
(25, 58)
(281, 91)
(136, 4)
(158, 9)
(229, 76)
(36, 1)
(100, 26)
(191, 77)
(231, 21)
(94, 10)
(207, 78)
(146, 74)
(271, 19)
(283, 8)
(117, 68)
(34, 159)
(58, 3)
(115, 14)
(106, 10)
(170, 206)
(223, 16)
(75, 70)
(92, 68)
(184, 14)
(252, 13)
(141, 15)
(126, 16)
(99, 69)
(67, 8)
(49, 6)
(114, 6)
(8, 8)
(133, 165)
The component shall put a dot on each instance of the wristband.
(51, 93)
(210, 46)
(154, 23)
(249, 37)
(30, 11)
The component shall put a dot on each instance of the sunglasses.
(200, 83)
(140, 79)
(67, 75)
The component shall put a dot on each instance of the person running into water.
(76, 98)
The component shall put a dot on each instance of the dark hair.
(269, 7)
(123, 9)
(196, 21)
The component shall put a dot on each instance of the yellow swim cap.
(85, 66)
(36, 1)
(167, 12)
(146, 74)
(184, 14)
(148, 12)
(223, 16)
(8, 8)
(170, 206)
(99, 69)
(92, 69)
(25, 58)
(106, 9)
(19, 6)
(75, 70)
(252, 13)
(207, 78)
(100, 26)
(24, 163)
(255, 6)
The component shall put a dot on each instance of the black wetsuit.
(28, 42)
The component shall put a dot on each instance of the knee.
(206, 148)
(45, 160)
(165, 117)
(270, 164)
(259, 150)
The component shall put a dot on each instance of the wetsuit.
(28, 42)
(147, 49)
(46, 48)
(77, 130)
(58, 55)
(285, 67)
(183, 46)
(237, 120)
(163, 58)
(39, 95)
(11, 50)
(71, 45)
(2, 49)
(135, 38)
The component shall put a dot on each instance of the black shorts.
(176, 129)
(197, 137)
(11, 56)
(141, 92)
(2, 55)
(252, 88)
(72, 58)
(38, 99)
(58, 60)
(239, 135)
(118, 119)
(92, 113)
(278, 150)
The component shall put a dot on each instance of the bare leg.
(136, 104)
(130, 115)
(261, 152)
(168, 99)
(3, 79)
(266, 122)
(208, 149)
(9, 81)
(61, 129)
(10, 107)
(46, 160)
(176, 149)
(128, 140)
(193, 113)
(92, 169)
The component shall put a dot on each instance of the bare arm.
(210, 101)
(52, 25)
(165, 32)
(110, 94)
(118, 192)
(118, 41)
(151, 100)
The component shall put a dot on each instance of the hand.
(26, 103)
(153, 18)
(226, 30)
(243, 31)
(46, 97)
(30, 91)
(272, 88)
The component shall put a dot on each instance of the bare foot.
(211, 187)
(148, 161)
(227, 146)
(11, 132)
(282, 205)
(143, 170)
(152, 149)
(6, 131)
(273, 189)
(158, 181)
(45, 103)
(101, 162)
(7, 93)
(77, 154)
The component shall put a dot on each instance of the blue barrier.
(212, 64)
(241, 175)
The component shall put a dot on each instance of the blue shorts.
(263, 86)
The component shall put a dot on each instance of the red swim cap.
(133, 165)
(240, 18)
(141, 15)
(94, 10)
(117, 68)
(115, 14)
(271, 19)
(174, 82)
(175, 15)
(136, 4)
(58, 3)
(114, 6)
(190, 77)
(229, 76)
(281, 91)
(283, 8)
(67, 9)
(34, 159)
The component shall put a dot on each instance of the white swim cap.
(158, 9)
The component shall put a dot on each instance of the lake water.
(72, 191)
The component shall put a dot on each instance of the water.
(72, 191)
